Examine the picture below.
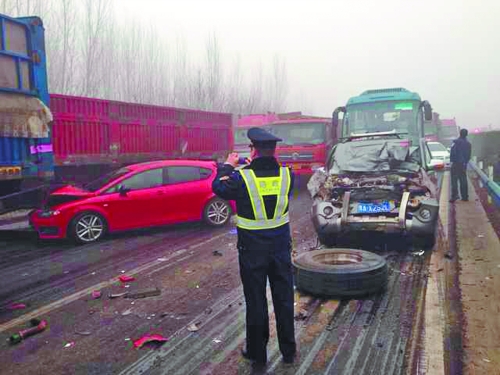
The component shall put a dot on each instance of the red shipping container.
(88, 131)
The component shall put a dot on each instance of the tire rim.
(89, 228)
(338, 259)
(218, 212)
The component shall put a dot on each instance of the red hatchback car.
(137, 196)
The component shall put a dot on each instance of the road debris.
(217, 253)
(162, 259)
(486, 360)
(16, 306)
(147, 339)
(481, 236)
(83, 333)
(233, 231)
(37, 326)
(418, 253)
(151, 292)
(194, 327)
(208, 311)
(117, 295)
(217, 341)
(448, 255)
(127, 312)
(96, 294)
(126, 279)
(69, 344)
(301, 315)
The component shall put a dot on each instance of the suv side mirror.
(427, 111)
(335, 117)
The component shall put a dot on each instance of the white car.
(439, 153)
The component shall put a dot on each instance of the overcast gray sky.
(447, 50)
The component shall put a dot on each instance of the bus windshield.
(299, 133)
(382, 117)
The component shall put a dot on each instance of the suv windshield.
(299, 133)
(106, 179)
(436, 147)
(382, 117)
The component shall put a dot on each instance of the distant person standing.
(459, 158)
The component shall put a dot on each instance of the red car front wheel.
(87, 227)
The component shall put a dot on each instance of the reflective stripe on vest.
(257, 188)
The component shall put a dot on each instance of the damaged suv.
(377, 181)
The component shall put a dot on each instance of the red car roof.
(167, 163)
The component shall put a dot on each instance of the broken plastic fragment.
(193, 327)
(16, 306)
(127, 312)
(217, 341)
(37, 326)
(96, 294)
(162, 259)
(481, 236)
(486, 360)
(125, 278)
(69, 344)
(149, 338)
(217, 253)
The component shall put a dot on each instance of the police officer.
(261, 191)
(459, 157)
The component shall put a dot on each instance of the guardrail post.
(480, 165)
(474, 159)
(490, 172)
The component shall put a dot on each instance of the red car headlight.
(50, 213)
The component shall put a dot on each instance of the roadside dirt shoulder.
(479, 252)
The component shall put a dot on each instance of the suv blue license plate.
(371, 208)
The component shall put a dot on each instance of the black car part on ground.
(340, 273)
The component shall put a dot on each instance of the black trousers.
(257, 264)
(459, 174)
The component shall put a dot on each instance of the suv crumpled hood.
(367, 156)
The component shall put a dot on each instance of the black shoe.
(247, 356)
(289, 360)
(465, 200)
(453, 200)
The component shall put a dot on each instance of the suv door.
(188, 189)
(142, 204)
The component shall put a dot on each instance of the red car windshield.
(106, 179)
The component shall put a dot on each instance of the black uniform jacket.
(233, 188)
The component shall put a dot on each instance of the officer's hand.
(233, 159)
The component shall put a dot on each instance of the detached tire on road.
(217, 212)
(340, 273)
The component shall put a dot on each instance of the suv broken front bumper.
(328, 221)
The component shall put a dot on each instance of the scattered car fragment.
(37, 327)
(151, 292)
(139, 343)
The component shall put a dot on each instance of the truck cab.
(245, 123)
(306, 142)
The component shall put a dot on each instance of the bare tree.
(214, 77)
(96, 14)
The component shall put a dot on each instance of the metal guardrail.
(492, 186)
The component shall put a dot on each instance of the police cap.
(261, 137)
